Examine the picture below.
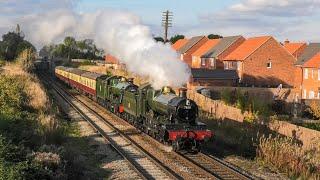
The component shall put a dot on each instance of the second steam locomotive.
(162, 114)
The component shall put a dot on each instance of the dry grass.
(38, 100)
(37, 96)
(290, 157)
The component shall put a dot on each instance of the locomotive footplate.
(185, 136)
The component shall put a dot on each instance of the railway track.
(216, 166)
(143, 163)
(199, 165)
(179, 166)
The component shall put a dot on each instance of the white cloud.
(293, 19)
(277, 7)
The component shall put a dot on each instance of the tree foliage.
(214, 36)
(73, 49)
(12, 45)
(158, 39)
(175, 38)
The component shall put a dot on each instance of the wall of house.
(187, 57)
(255, 71)
(197, 62)
(231, 48)
(311, 83)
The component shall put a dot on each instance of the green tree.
(12, 45)
(158, 39)
(70, 44)
(214, 36)
(175, 38)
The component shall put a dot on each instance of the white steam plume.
(121, 34)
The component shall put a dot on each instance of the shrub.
(314, 110)
(289, 157)
(242, 101)
(226, 96)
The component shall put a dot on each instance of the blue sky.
(297, 20)
(185, 11)
(285, 19)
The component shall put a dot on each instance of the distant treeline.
(176, 37)
(73, 49)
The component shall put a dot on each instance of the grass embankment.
(34, 137)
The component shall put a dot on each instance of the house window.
(319, 74)
(312, 73)
(212, 62)
(203, 62)
(304, 94)
(225, 65)
(269, 65)
(311, 95)
(318, 94)
(305, 73)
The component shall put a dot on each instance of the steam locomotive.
(162, 114)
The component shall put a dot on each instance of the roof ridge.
(230, 44)
(270, 37)
(194, 43)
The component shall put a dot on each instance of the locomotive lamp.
(166, 90)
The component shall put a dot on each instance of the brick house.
(262, 61)
(113, 62)
(296, 49)
(212, 77)
(223, 48)
(190, 47)
(111, 59)
(178, 44)
(311, 78)
(307, 75)
(197, 61)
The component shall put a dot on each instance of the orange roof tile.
(177, 45)
(247, 48)
(293, 47)
(314, 62)
(206, 47)
(111, 59)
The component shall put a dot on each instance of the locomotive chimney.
(183, 92)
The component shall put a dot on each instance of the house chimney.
(183, 92)
(286, 41)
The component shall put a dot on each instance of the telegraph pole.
(166, 23)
